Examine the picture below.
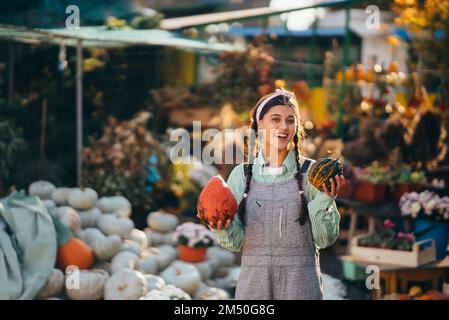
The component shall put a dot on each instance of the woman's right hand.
(219, 225)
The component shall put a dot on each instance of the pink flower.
(410, 237)
(389, 224)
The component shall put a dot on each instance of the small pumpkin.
(118, 205)
(154, 282)
(75, 252)
(71, 251)
(42, 189)
(169, 292)
(154, 238)
(148, 265)
(53, 286)
(110, 224)
(182, 275)
(104, 247)
(125, 284)
(61, 196)
(89, 217)
(219, 257)
(162, 257)
(82, 199)
(124, 260)
(162, 221)
(204, 268)
(91, 285)
(139, 237)
(323, 170)
(206, 292)
(216, 202)
(131, 246)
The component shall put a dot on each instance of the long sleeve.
(324, 218)
(232, 237)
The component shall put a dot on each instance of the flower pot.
(402, 188)
(190, 254)
(438, 230)
(369, 192)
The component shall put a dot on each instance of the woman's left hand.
(334, 188)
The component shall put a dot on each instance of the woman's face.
(278, 126)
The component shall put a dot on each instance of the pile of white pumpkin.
(130, 264)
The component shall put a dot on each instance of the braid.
(248, 173)
(303, 214)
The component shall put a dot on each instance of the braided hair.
(252, 149)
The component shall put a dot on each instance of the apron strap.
(305, 166)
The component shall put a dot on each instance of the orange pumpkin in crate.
(216, 202)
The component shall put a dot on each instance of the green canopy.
(104, 37)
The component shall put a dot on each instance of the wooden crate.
(415, 258)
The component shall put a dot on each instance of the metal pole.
(79, 111)
(11, 74)
(345, 60)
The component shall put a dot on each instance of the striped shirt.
(323, 212)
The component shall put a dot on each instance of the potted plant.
(372, 182)
(193, 239)
(406, 180)
(387, 238)
(431, 216)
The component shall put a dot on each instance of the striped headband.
(278, 92)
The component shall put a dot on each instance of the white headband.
(278, 92)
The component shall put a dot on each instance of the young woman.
(282, 220)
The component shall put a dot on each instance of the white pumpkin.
(163, 259)
(154, 282)
(167, 238)
(125, 284)
(49, 204)
(210, 293)
(131, 246)
(227, 277)
(182, 275)
(53, 286)
(124, 260)
(110, 224)
(103, 265)
(154, 238)
(219, 257)
(162, 221)
(42, 189)
(91, 285)
(61, 196)
(68, 217)
(82, 199)
(204, 268)
(115, 204)
(169, 250)
(90, 236)
(104, 247)
(148, 265)
(169, 292)
(139, 237)
(89, 217)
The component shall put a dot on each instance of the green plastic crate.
(353, 272)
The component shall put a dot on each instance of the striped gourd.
(323, 170)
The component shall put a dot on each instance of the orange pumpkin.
(75, 252)
(216, 202)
